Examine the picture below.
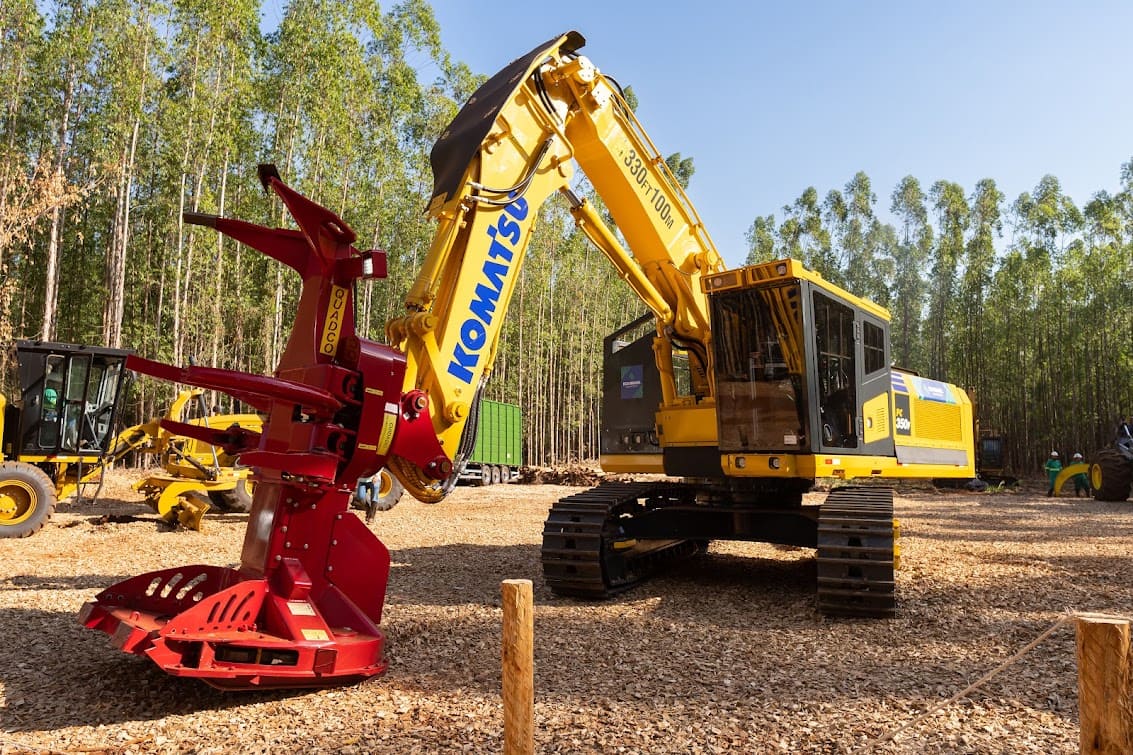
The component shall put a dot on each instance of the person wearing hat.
(1081, 481)
(1053, 466)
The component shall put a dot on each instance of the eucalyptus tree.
(29, 188)
(970, 339)
(206, 126)
(911, 254)
(864, 241)
(803, 236)
(760, 238)
(21, 30)
(953, 216)
(1106, 321)
(65, 90)
(351, 123)
(880, 254)
(836, 217)
(1047, 223)
(1009, 404)
(682, 168)
(401, 116)
(126, 68)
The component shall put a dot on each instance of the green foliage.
(136, 111)
(681, 168)
(761, 240)
(1038, 329)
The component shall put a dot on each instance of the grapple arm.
(303, 608)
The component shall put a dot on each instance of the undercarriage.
(605, 540)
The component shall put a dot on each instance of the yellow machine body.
(194, 474)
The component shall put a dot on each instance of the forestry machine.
(58, 434)
(1111, 474)
(750, 384)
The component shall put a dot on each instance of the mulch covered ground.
(725, 654)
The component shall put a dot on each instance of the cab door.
(851, 368)
(874, 379)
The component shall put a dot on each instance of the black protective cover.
(462, 139)
(631, 415)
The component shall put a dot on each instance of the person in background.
(1053, 466)
(1081, 481)
(50, 402)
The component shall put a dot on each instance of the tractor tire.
(1111, 476)
(27, 498)
(388, 492)
(235, 501)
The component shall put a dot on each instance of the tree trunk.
(51, 264)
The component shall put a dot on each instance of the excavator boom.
(508, 150)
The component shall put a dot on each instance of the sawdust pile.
(725, 654)
(574, 475)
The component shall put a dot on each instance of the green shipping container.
(499, 437)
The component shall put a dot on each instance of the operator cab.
(802, 366)
(70, 398)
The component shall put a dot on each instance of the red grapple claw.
(304, 607)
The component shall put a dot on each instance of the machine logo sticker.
(332, 326)
(493, 274)
(932, 390)
(902, 420)
(632, 385)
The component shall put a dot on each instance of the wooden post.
(518, 657)
(1103, 685)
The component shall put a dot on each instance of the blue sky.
(770, 98)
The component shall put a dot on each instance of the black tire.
(505, 474)
(235, 501)
(27, 499)
(1111, 476)
(497, 476)
(485, 475)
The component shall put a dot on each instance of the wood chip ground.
(725, 654)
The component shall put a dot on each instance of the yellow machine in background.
(194, 473)
(58, 436)
(743, 385)
(58, 442)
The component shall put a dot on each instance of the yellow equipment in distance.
(752, 383)
(195, 474)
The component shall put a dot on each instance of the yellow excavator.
(744, 385)
(741, 387)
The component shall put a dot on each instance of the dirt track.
(725, 655)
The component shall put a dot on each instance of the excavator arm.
(512, 146)
(304, 607)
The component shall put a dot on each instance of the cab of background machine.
(70, 396)
(802, 366)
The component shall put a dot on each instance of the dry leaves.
(725, 654)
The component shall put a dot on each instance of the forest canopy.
(120, 115)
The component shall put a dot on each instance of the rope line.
(1064, 619)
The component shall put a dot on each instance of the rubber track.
(576, 564)
(856, 553)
